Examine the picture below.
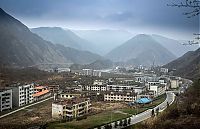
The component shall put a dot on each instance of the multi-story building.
(139, 89)
(164, 70)
(41, 92)
(5, 99)
(96, 88)
(157, 89)
(153, 83)
(98, 85)
(87, 72)
(22, 94)
(120, 87)
(120, 96)
(97, 73)
(69, 94)
(60, 70)
(99, 82)
(71, 108)
(54, 88)
(174, 83)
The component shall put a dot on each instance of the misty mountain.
(187, 65)
(97, 65)
(105, 40)
(65, 37)
(141, 49)
(20, 47)
(77, 56)
(174, 46)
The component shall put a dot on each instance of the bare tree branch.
(192, 4)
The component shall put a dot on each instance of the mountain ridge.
(187, 65)
(65, 37)
(141, 47)
(19, 47)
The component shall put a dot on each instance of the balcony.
(68, 110)
(69, 115)
(81, 107)
(81, 112)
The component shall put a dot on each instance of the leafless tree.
(194, 5)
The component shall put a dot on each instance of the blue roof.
(143, 100)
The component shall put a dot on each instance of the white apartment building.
(60, 70)
(174, 83)
(120, 87)
(120, 96)
(96, 88)
(97, 73)
(69, 94)
(71, 108)
(164, 70)
(5, 99)
(22, 94)
(87, 72)
(139, 89)
(99, 82)
(158, 89)
(153, 83)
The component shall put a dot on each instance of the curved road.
(147, 114)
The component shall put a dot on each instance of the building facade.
(88, 72)
(97, 73)
(69, 95)
(5, 99)
(120, 96)
(54, 88)
(96, 88)
(41, 92)
(120, 87)
(157, 89)
(70, 108)
(22, 94)
(174, 83)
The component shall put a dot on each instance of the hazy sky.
(136, 16)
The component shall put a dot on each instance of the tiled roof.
(40, 87)
(41, 93)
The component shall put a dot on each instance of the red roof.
(41, 93)
(40, 87)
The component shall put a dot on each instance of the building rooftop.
(121, 93)
(40, 87)
(70, 102)
(2, 89)
(143, 100)
(68, 91)
(40, 93)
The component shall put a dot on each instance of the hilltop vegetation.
(187, 66)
